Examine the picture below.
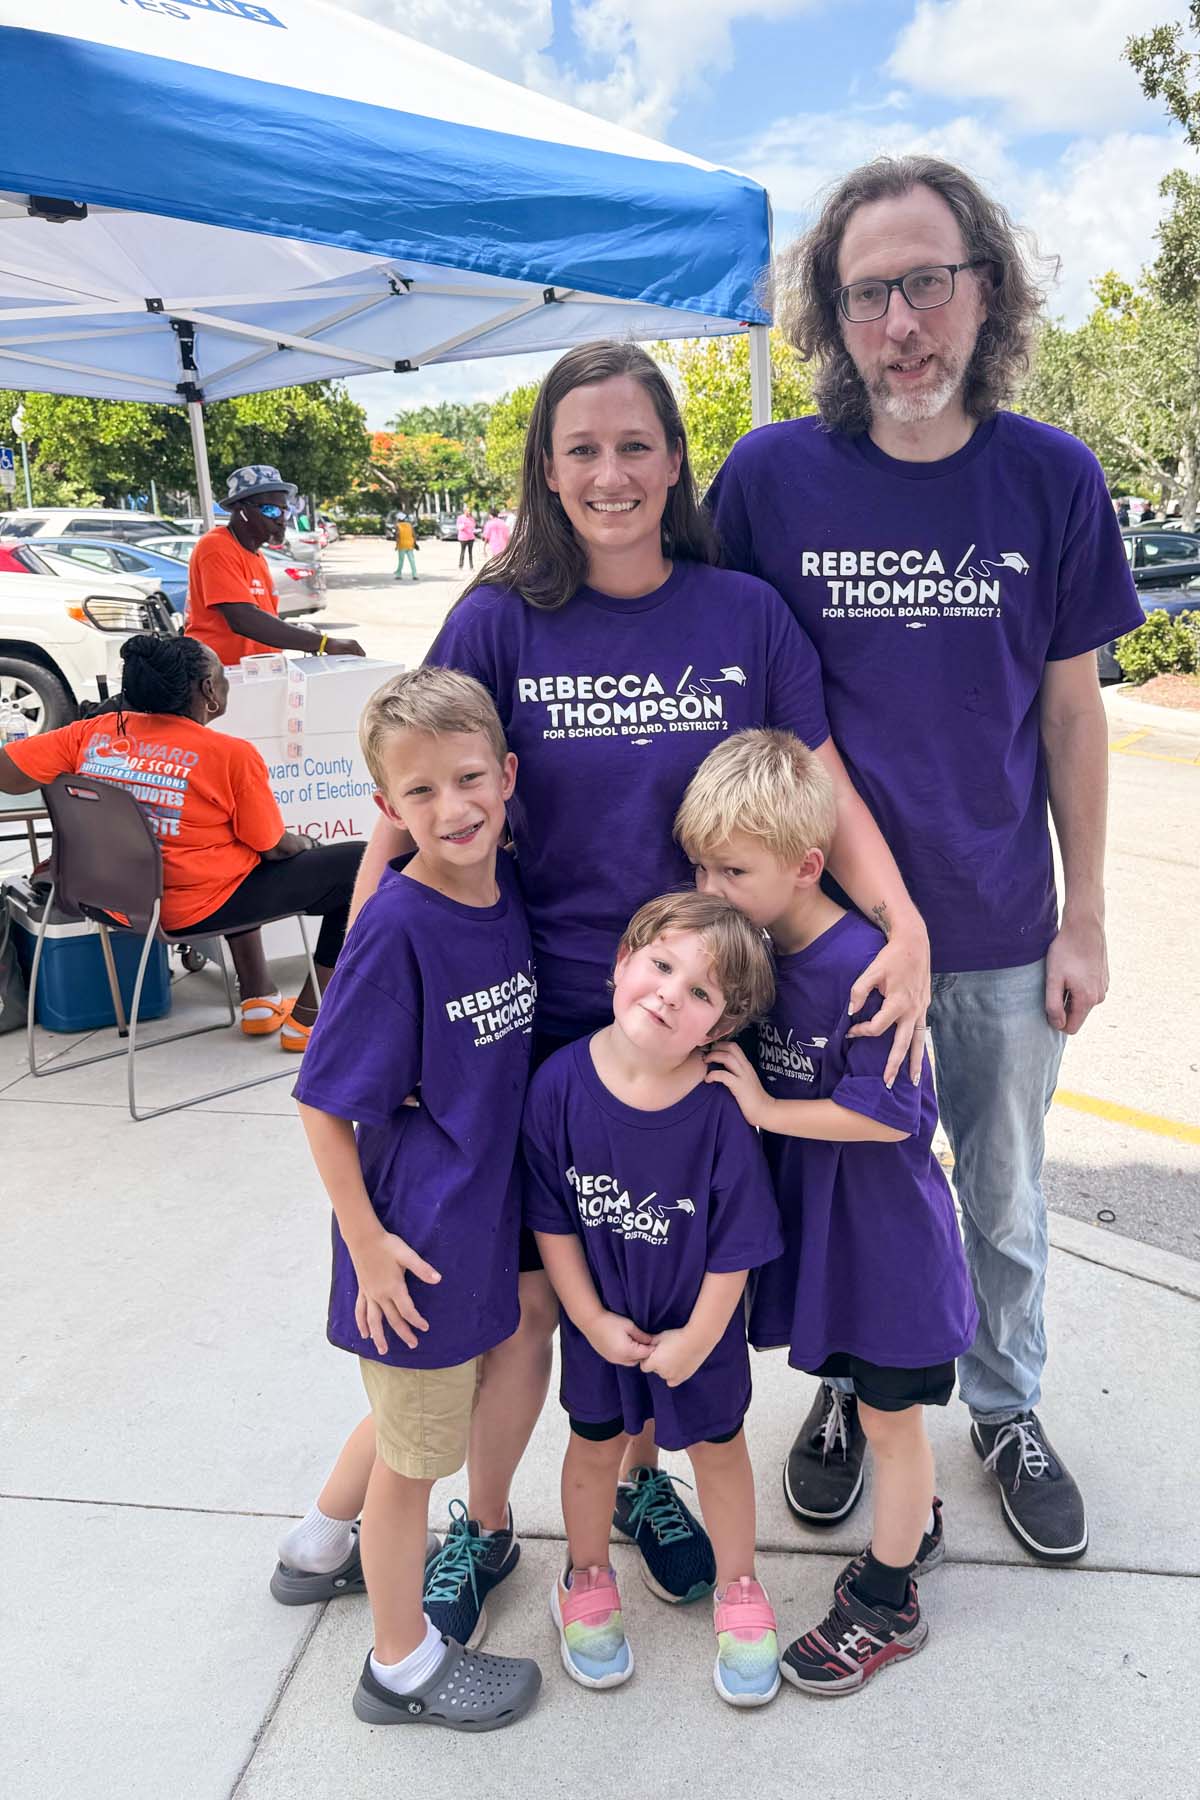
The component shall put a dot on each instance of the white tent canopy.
(229, 200)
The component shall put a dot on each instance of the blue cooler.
(72, 985)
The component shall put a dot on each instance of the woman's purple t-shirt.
(657, 1199)
(611, 706)
(873, 1264)
(935, 594)
(432, 997)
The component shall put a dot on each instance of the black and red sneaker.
(932, 1551)
(853, 1642)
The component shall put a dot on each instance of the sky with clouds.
(1031, 95)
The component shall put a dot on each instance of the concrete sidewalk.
(170, 1402)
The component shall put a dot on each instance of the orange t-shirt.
(219, 574)
(206, 794)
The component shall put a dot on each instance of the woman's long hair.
(161, 674)
(806, 279)
(544, 561)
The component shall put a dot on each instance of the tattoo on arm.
(880, 915)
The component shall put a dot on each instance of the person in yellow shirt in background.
(406, 546)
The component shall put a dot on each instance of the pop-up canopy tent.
(203, 198)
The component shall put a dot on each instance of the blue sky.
(1030, 95)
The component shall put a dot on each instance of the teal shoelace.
(656, 1501)
(454, 1564)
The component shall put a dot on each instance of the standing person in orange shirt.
(232, 606)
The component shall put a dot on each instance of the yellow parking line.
(1129, 1115)
(1134, 737)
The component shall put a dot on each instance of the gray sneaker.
(1041, 1504)
(300, 1587)
(471, 1691)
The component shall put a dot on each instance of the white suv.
(79, 521)
(60, 643)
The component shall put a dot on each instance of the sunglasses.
(268, 509)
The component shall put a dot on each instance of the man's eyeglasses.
(267, 508)
(923, 288)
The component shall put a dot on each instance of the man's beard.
(915, 408)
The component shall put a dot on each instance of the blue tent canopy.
(235, 197)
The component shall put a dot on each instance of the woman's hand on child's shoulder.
(729, 1065)
(617, 1339)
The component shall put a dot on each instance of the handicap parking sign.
(8, 474)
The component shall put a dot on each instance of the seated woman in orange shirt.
(227, 860)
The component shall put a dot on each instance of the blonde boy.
(433, 995)
(872, 1292)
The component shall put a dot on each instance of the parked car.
(60, 643)
(447, 527)
(1171, 600)
(1149, 547)
(299, 581)
(331, 527)
(130, 563)
(89, 522)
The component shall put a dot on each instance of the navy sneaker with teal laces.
(677, 1560)
(460, 1577)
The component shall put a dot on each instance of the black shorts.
(611, 1428)
(892, 1390)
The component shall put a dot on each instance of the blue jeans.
(996, 1059)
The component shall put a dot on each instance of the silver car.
(298, 579)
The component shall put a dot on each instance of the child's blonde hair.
(430, 700)
(766, 785)
(742, 964)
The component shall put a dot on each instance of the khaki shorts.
(422, 1416)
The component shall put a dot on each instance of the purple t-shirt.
(433, 997)
(873, 1264)
(657, 1199)
(611, 706)
(935, 594)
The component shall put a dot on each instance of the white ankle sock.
(262, 1007)
(415, 1669)
(930, 1523)
(318, 1544)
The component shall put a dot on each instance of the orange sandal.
(294, 1036)
(275, 1014)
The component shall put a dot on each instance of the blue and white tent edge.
(243, 233)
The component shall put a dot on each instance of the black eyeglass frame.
(838, 297)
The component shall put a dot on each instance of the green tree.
(108, 447)
(448, 419)
(712, 376)
(402, 468)
(504, 442)
(315, 436)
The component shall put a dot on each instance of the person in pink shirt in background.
(496, 532)
(466, 538)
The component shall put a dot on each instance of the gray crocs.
(471, 1691)
(300, 1587)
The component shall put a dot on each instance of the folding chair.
(106, 865)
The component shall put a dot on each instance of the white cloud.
(505, 39)
(1055, 67)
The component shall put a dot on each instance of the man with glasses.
(232, 605)
(956, 566)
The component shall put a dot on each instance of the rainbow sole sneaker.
(746, 1672)
(591, 1633)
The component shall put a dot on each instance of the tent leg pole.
(760, 375)
(195, 410)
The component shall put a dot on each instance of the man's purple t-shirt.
(432, 997)
(611, 706)
(935, 594)
(873, 1264)
(657, 1199)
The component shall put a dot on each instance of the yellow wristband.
(322, 644)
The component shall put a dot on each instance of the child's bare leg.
(345, 1488)
(641, 1452)
(725, 1483)
(394, 1524)
(516, 1376)
(589, 1489)
(903, 1481)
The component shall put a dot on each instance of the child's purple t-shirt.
(935, 594)
(611, 706)
(434, 998)
(657, 1199)
(873, 1263)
